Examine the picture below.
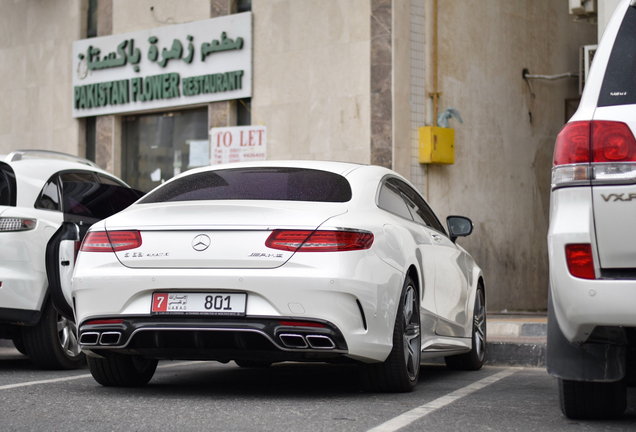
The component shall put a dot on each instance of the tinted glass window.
(421, 211)
(49, 198)
(109, 181)
(95, 200)
(284, 184)
(619, 84)
(391, 200)
(7, 185)
(77, 177)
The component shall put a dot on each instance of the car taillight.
(16, 224)
(600, 151)
(111, 241)
(580, 261)
(319, 241)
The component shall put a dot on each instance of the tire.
(584, 400)
(52, 343)
(253, 363)
(474, 359)
(18, 342)
(118, 370)
(400, 371)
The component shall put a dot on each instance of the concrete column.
(223, 113)
(381, 83)
(105, 136)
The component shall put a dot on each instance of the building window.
(91, 27)
(244, 6)
(244, 112)
(156, 147)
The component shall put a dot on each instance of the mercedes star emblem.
(201, 243)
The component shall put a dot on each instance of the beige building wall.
(35, 65)
(312, 78)
(503, 151)
(131, 16)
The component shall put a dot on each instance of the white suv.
(41, 193)
(592, 235)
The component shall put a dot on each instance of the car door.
(392, 200)
(451, 283)
(85, 198)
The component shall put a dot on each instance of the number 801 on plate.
(199, 303)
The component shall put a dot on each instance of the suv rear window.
(619, 83)
(7, 186)
(283, 184)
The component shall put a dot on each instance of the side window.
(7, 186)
(391, 200)
(49, 198)
(84, 198)
(619, 83)
(419, 207)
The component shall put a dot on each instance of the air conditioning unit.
(586, 55)
(586, 8)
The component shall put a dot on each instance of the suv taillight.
(602, 151)
(16, 224)
(111, 241)
(319, 241)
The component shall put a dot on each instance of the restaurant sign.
(165, 67)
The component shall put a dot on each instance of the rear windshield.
(619, 84)
(7, 186)
(282, 184)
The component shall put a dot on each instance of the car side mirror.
(459, 226)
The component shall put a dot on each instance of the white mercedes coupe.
(278, 261)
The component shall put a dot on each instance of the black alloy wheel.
(401, 370)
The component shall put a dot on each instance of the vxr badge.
(201, 243)
(619, 197)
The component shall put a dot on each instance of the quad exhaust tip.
(110, 338)
(89, 338)
(297, 341)
(320, 342)
(96, 338)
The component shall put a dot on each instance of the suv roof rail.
(18, 154)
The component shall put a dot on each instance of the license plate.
(199, 303)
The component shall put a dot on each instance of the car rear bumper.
(216, 338)
(356, 300)
(582, 304)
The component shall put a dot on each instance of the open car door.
(61, 252)
(86, 199)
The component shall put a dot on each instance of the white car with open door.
(40, 192)
(591, 239)
(279, 261)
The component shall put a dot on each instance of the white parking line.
(417, 413)
(71, 378)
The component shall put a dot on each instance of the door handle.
(436, 238)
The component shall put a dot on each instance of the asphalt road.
(198, 396)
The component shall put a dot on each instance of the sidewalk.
(516, 340)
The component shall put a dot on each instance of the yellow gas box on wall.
(437, 145)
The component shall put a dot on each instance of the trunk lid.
(215, 234)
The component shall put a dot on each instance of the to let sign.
(238, 144)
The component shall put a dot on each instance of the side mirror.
(459, 226)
